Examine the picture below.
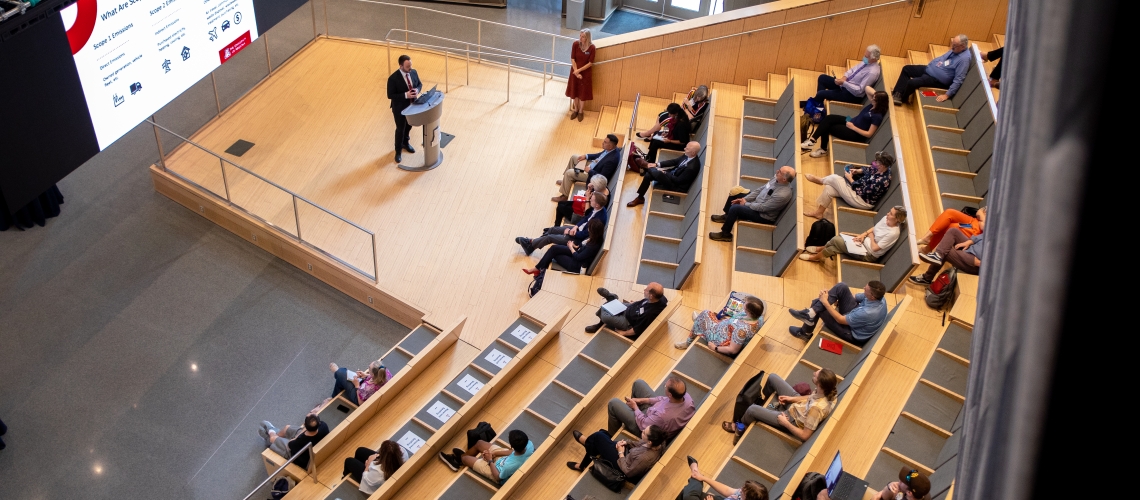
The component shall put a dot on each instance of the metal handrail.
(467, 17)
(817, 18)
(509, 53)
(633, 118)
(308, 447)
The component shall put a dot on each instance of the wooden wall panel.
(930, 28)
(842, 35)
(801, 41)
(640, 74)
(718, 59)
(1000, 17)
(679, 66)
(886, 28)
(607, 78)
(972, 17)
(758, 50)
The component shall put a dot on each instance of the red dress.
(581, 88)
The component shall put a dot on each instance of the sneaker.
(919, 280)
(681, 345)
(719, 219)
(802, 315)
(814, 249)
(807, 144)
(720, 236)
(799, 333)
(818, 153)
(457, 453)
(525, 244)
(808, 257)
(450, 460)
(931, 258)
(593, 328)
(606, 294)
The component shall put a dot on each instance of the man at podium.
(403, 87)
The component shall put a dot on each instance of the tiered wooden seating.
(675, 221)
(926, 434)
(770, 137)
(406, 360)
(960, 135)
(449, 412)
(607, 124)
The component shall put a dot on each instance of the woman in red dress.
(579, 86)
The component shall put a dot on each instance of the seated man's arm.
(830, 309)
(774, 203)
(801, 434)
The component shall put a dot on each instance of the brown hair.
(754, 307)
(753, 491)
(597, 231)
(827, 382)
(600, 199)
(880, 101)
(379, 373)
(390, 459)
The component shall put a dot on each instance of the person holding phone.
(633, 458)
(581, 167)
(670, 412)
(404, 86)
(912, 485)
(750, 490)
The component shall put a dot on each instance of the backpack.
(536, 285)
(810, 486)
(482, 432)
(280, 488)
(748, 396)
(822, 231)
(941, 290)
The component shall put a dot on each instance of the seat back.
(881, 139)
(982, 181)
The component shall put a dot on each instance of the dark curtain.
(44, 207)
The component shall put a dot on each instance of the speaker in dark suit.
(403, 87)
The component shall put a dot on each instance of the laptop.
(426, 96)
(841, 485)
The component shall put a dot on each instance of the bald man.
(763, 205)
(637, 316)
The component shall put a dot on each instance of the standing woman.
(580, 86)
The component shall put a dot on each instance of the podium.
(426, 114)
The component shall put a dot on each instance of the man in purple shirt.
(670, 412)
(945, 72)
(852, 86)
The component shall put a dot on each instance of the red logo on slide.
(234, 47)
(80, 32)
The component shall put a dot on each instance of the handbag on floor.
(608, 474)
(536, 286)
(822, 231)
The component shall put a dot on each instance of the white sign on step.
(523, 333)
(410, 442)
(498, 359)
(470, 384)
(441, 411)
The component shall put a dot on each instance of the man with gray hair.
(763, 205)
(944, 72)
(852, 86)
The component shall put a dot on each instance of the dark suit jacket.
(608, 166)
(397, 87)
(681, 177)
(584, 223)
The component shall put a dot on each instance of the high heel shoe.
(532, 273)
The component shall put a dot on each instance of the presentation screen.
(134, 56)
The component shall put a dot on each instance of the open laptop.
(841, 485)
(424, 97)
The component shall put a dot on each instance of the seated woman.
(572, 256)
(678, 136)
(565, 211)
(751, 490)
(796, 415)
(634, 459)
(970, 226)
(912, 485)
(858, 128)
(694, 109)
(730, 335)
(371, 468)
(561, 235)
(873, 242)
(358, 386)
(860, 187)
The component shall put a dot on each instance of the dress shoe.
(720, 236)
(636, 201)
(581, 115)
(558, 198)
(398, 157)
(606, 294)
(593, 328)
(573, 115)
(719, 219)
(409, 148)
(577, 436)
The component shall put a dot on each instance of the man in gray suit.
(761, 205)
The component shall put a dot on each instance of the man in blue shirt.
(495, 463)
(853, 318)
(961, 251)
(945, 72)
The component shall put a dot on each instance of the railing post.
(405, 27)
(297, 217)
(313, 7)
(268, 63)
(467, 78)
(375, 260)
(225, 180)
(544, 78)
(389, 68)
(327, 18)
(479, 41)
(158, 141)
(508, 79)
(446, 78)
(217, 100)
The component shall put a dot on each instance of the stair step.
(851, 63)
(730, 99)
(648, 110)
(625, 112)
(916, 57)
(836, 70)
(679, 97)
(776, 84)
(757, 88)
(937, 50)
(999, 40)
(607, 118)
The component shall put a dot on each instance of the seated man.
(860, 187)
(963, 252)
(671, 175)
(678, 136)
(576, 232)
(853, 85)
(944, 72)
(995, 75)
(912, 485)
(874, 242)
(669, 413)
(494, 463)
(852, 318)
(604, 162)
(637, 316)
(288, 441)
(762, 205)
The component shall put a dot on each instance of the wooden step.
(851, 63)
(937, 50)
(999, 40)
(730, 99)
(986, 47)
(776, 85)
(647, 111)
(607, 118)
(679, 97)
(835, 70)
(757, 88)
(916, 57)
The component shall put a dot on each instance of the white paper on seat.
(852, 247)
(411, 442)
(441, 411)
(497, 358)
(523, 333)
(470, 384)
(614, 307)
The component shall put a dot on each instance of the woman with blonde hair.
(580, 85)
(359, 386)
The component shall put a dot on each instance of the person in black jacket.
(403, 87)
(604, 162)
(637, 316)
(679, 132)
(573, 256)
(576, 232)
(672, 175)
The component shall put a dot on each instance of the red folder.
(929, 93)
(830, 346)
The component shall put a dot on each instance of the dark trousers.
(695, 491)
(600, 446)
(664, 181)
(835, 126)
(840, 297)
(341, 383)
(996, 54)
(402, 128)
(912, 77)
(827, 90)
(728, 201)
(655, 144)
(564, 211)
(3, 431)
(957, 258)
(560, 254)
(356, 465)
(741, 212)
